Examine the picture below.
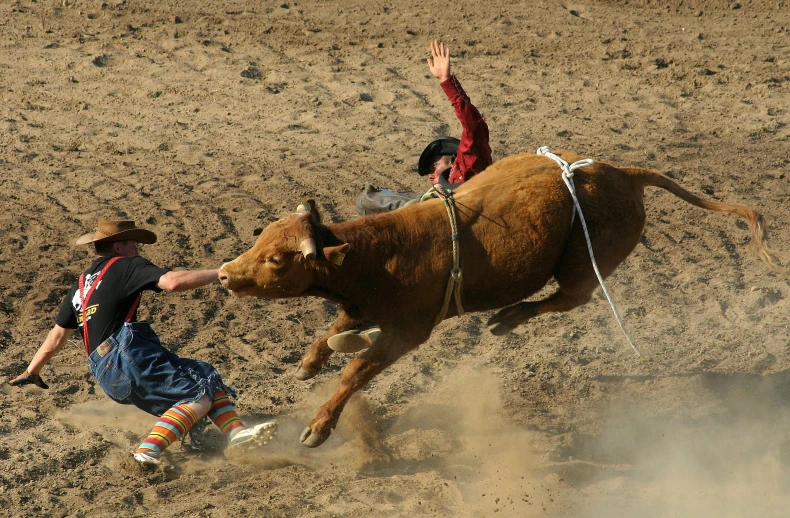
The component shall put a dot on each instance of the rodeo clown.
(126, 357)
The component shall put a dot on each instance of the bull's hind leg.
(507, 319)
(384, 352)
(318, 354)
(575, 276)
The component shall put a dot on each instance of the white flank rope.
(567, 176)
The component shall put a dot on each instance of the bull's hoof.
(500, 329)
(310, 439)
(507, 319)
(303, 374)
(498, 326)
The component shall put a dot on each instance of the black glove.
(27, 378)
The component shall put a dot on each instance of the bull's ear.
(336, 254)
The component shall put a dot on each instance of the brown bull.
(515, 233)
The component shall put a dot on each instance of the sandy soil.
(205, 121)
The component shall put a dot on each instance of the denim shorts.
(137, 370)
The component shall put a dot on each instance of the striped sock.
(223, 414)
(170, 428)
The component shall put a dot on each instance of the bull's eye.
(276, 260)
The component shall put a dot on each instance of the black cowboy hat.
(439, 147)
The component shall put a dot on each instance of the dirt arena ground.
(205, 121)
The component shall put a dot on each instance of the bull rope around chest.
(456, 277)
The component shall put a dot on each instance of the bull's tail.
(759, 235)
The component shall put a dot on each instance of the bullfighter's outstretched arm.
(55, 340)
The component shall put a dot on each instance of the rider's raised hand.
(439, 62)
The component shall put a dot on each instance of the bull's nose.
(223, 275)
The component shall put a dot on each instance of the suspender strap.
(132, 309)
(84, 298)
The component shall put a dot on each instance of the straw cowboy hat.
(118, 231)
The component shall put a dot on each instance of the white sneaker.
(353, 340)
(147, 458)
(257, 435)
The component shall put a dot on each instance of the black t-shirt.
(113, 297)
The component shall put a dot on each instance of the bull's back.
(516, 225)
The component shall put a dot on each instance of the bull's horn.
(308, 248)
(302, 208)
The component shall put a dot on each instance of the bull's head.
(284, 260)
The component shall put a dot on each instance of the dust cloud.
(459, 429)
(730, 458)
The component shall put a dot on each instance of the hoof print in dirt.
(252, 72)
(101, 61)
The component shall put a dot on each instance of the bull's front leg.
(318, 354)
(355, 376)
